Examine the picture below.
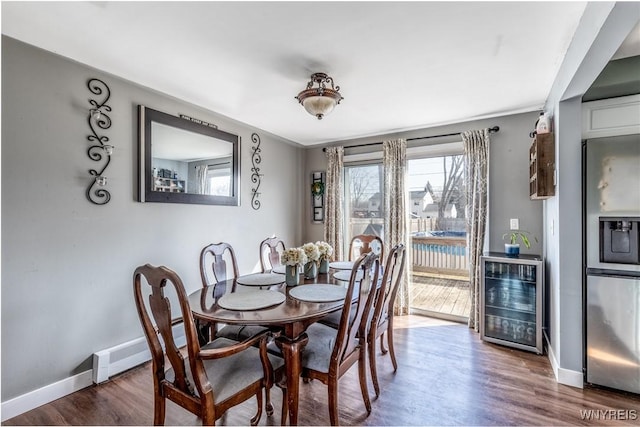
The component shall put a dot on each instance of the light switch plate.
(514, 223)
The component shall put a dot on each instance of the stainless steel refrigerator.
(611, 228)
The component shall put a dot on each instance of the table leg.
(291, 352)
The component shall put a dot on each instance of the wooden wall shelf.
(542, 159)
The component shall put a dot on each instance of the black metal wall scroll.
(255, 171)
(100, 151)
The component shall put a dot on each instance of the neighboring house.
(426, 203)
(374, 203)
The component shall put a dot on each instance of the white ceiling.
(400, 65)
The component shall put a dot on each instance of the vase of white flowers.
(313, 257)
(293, 259)
(325, 255)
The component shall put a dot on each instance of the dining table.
(291, 315)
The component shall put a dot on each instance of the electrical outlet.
(514, 223)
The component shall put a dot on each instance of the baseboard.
(564, 376)
(28, 401)
(117, 359)
(112, 361)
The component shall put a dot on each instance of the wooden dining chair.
(270, 250)
(218, 264)
(382, 318)
(331, 352)
(205, 380)
(365, 243)
(360, 244)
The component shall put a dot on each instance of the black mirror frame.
(145, 173)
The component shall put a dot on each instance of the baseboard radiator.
(117, 359)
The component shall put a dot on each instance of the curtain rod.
(491, 130)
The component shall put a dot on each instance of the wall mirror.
(182, 161)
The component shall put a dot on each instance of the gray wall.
(67, 264)
(602, 29)
(508, 176)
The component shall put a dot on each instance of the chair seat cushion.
(333, 319)
(317, 353)
(239, 332)
(231, 374)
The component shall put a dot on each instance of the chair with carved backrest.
(365, 243)
(218, 265)
(270, 250)
(382, 318)
(360, 244)
(206, 380)
(331, 352)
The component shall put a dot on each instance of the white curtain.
(476, 162)
(201, 179)
(333, 220)
(395, 212)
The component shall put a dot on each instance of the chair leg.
(371, 344)
(332, 387)
(268, 405)
(382, 347)
(256, 418)
(208, 416)
(362, 372)
(392, 351)
(285, 407)
(159, 405)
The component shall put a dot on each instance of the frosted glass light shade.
(319, 105)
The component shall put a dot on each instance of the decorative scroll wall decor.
(317, 196)
(100, 151)
(255, 171)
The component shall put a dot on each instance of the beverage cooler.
(511, 301)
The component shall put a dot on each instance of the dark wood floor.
(446, 376)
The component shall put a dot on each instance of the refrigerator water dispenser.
(619, 240)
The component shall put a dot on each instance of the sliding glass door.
(439, 264)
(439, 269)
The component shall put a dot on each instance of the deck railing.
(440, 255)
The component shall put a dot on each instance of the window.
(219, 180)
(364, 207)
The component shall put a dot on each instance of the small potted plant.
(512, 247)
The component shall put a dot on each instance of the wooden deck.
(440, 296)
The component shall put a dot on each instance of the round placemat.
(318, 293)
(251, 300)
(260, 279)
(279, 269)
(341, 265)
(345, 275)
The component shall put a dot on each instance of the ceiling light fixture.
(321, 100)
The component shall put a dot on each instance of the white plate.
(251, 300)
(341, 265)
(318, 293)
(260, 279)
(279, 269)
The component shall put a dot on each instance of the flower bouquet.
(326, 251)
(293, 259)
(313, 257)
